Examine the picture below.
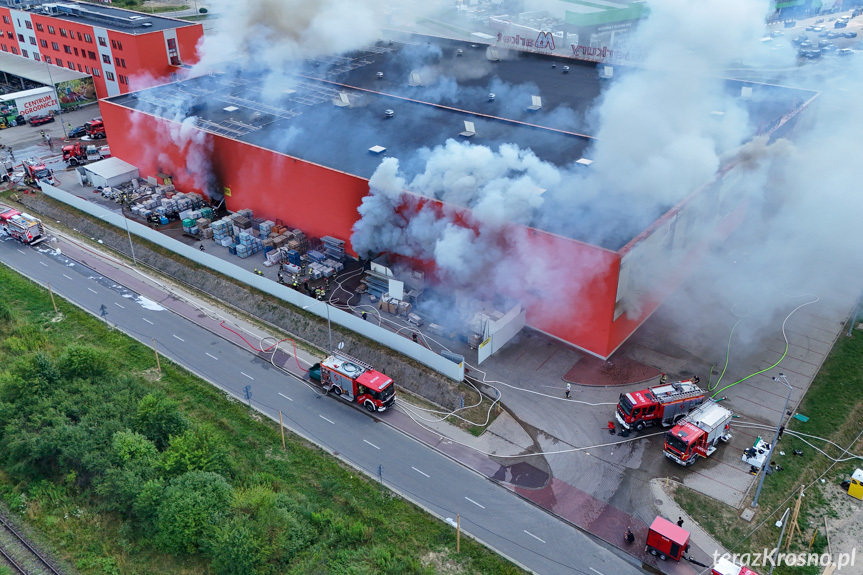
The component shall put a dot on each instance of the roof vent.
(231, 109)
(584, 162)
(566, 69)
(536, 103)
(491, 96)
(746, 92)
(389, 113)
(469, 130)
(492, 54)
(343, 101)
(554, 64)
(459, 52)
(380, 75)
(377, 150)
(415, 79)
(606, 73)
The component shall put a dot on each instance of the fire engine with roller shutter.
(666, 404)
(355, 381)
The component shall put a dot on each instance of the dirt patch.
(441, 563)
(844, 521)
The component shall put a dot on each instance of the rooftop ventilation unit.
(746, 92)
(230, 109)
(606, 73)
(377, 150)
(536, 104)
(389, 113)
(584, 162)
(379, 75)
(491, 96)
(415, 79)
(469, 130)
(566, 69)
(492, 54)
(343, 100)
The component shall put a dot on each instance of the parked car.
(823, 43)
(845, 52)
(829, 48)
(78, 131)
(777, 33)
(819, 28)
(810, 28)
(39, 119)
(810, 54)
(840, 24)
(850, 34)
(800, 39)
(833, 35)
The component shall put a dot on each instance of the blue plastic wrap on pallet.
(316, 256)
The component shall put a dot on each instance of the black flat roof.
(300, 118)
(110, 18)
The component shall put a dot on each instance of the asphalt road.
(488, 512)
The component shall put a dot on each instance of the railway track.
(22, 557)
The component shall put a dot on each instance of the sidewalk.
(505, 439)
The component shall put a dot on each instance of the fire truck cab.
(665, 404)
(698, 434)
(727, 567)
(667, 540)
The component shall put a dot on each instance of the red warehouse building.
(305, 155)
(113, 45)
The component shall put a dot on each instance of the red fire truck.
(666, 404)
(698, 434)
(355, 381)
(667, 540)
(23, 227)
(727, 567)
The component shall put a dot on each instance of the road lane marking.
(247, 375)
(478, 505)
(420, 472)
(372, 444)
(119, 306)
(178, 337)
(67, 277)
(285, 396)
(213, 356)
(92, 290)
(532, 535)
(21, 251)
(595, 571)
(148, 321)
(325, 419)
(44, 264)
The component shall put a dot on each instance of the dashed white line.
(475, 503)
(372, 444)
(119, 306)
(178, 337)
(213, 356)
(148, 321)
(44, 264)
(285, 396)
(595, 571)
(21, 251)
(420, 472)
(532, 535)
(327, 420)
(247, 375)
(92, 290)
(67, 277)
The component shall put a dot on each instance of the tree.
(236, 550)
(132, 447)
(84, 362)
(198, 449)
(191, 509)
(159, 418)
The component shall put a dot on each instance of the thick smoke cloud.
(662, 130)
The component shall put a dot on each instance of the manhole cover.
(657, 502)
(715, 372)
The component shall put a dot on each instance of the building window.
(32, 40)
(59, 62)
(119, 45)
(106, 58)
(28, 24)
(75, 50)
(72, 34)
(96, 72)
(120, 78)
(55, 46)
(71, 66)
(63, 33)
(92, 55)
(47, 59)
(67, 48)
(43, 43)
(80, 39)
(36, 57)
(109, 75)
(21, 38)
(10, 35)
(40, 27)
(87, 68)
(7, 20)
(25, 54)
(103, 42)
(50, 29)
(80, 69)
(14, 50)
(88, 38)
(4, 47)
(120, 62)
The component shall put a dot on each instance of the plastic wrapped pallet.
(404, 308)
(203, 223)
(207, 233)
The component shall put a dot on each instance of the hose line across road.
(526, 534)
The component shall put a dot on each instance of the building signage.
(38, 104)
(597, 53)
(544, 41)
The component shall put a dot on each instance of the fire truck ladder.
(353, 360)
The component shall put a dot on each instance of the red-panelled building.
(122, 50)
(305, 155)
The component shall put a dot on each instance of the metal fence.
(337, 316)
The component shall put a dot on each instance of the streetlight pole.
(128, 233)
(329, 325)
(781, 535)
(775, 439)
(60, 112)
